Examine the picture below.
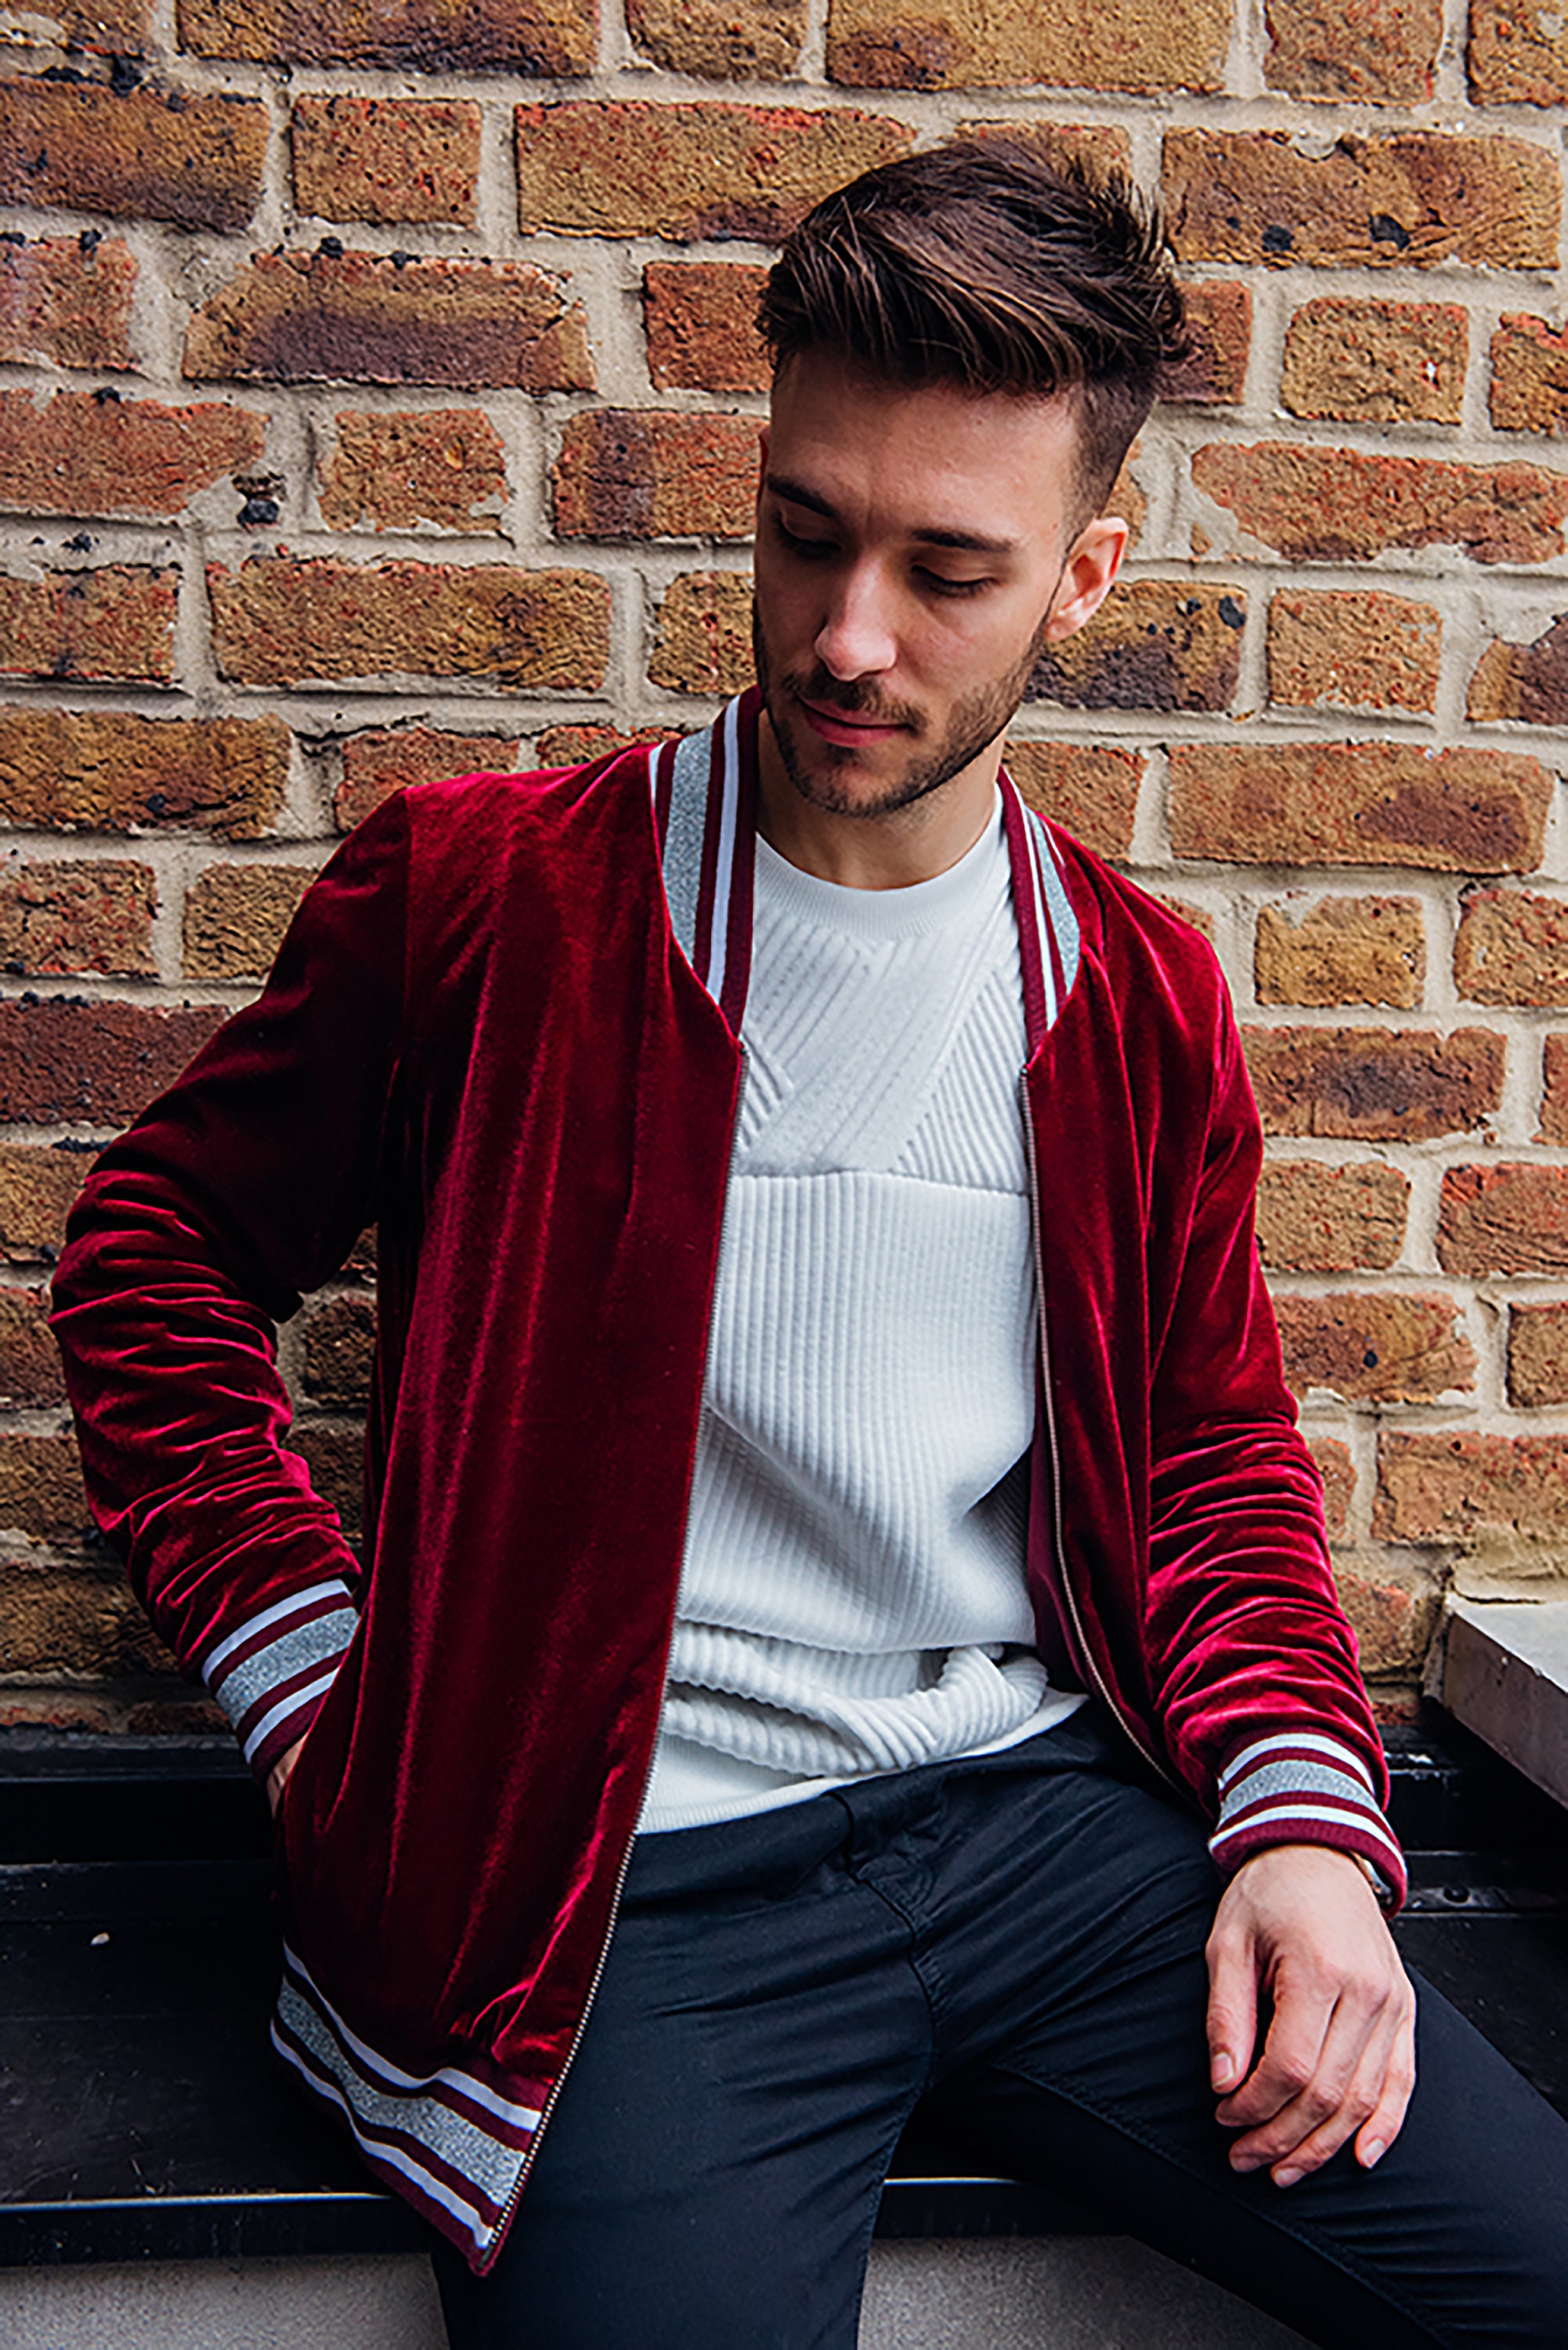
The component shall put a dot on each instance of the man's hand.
(1302, 1922)
(278, 1778)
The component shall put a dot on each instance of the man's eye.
(940, 585)
(793, 541)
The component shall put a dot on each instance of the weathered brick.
(113, 28)
(1385, 50)
(279, 621)
(1202, 920)
(1510, 1218)
(1395, 201)
(529, 38)
(48, 1708)
(624, 472)
(340, 1351)
(236, 916)
(1458, 1486)
(1375, 1084)
(1393, 1613)
(108, 770)
(1220, 325)
(114, 622)
(181, 1715)
(1517, 53)
(702, 634)
(1317, 1218)
(386, 158)
(1090, 788)
(335, 1455)
(980, 43)
(1099, 147)
(1313, 504)
(81, 917)
(688, 171)
(1529, 389)
(75, 1620)
(1154, 644)
(1537, 1354)
(1554, 1091)
(30, 1371)
(1353, 649)
(574, 746)
(372, 317)
(1342, 951)
(1380, 362)
(700, 321)
(388, 759)
(1458, 811)
(67, 300)
(1375, 1347)
(1529, 682)
(83, 452)
(138, 153)
(38, 1185)
(1338, 1473)
(41, 1487)
(721, 40)
(443, 466)
(66, 1062)
(1513, 948)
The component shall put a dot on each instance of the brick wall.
(378, 400)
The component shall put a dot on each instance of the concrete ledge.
(1505, 1674)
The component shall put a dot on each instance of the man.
(837, 1522)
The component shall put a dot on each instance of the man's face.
(914, 557)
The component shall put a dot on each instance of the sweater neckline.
(883, 915)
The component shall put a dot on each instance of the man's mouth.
(847, 730)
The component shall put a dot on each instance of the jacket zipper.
(1058, 1546)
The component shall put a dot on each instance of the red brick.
(49, 1710)
(700, 320)
(1220, 325)
(236, 917)
(1100, 147)
(114, 28)
(1381, 362)
(1529, 682)
(29, 1360)
(1089, 787)
(1338, 1473)
(368, 317)
(1458, 811)
(1353, 649)
(1510, 1218)
(1537, 1354)
(385, 760)
(141, 153)
(1342, 951)
(281, 621)
(83, 452)
(702, 634)
(721, 40)
(89, 916)
(1154, 644)
(1315, 504)
(340, 1351)
(975, 44)
(1375, 1084)
(624, 472)
(1528, 375)
(1513, 948)
(173, 1717)
(1518, 54)
(41, 1488)
(577, 746)
(335, 1455)
(1554, 1091)
(1392, 201)
(1385, 50)
(688, 171)
(1317, 1218)
(443, 466)
(1375, 1347)
(1459, 1487)
(386, 158)
(1393, 1614)
(114, 622)
(80, 1621)
(67, 300)
(527, 38)
(38, 1185)
(66, 1062)
(108, 770)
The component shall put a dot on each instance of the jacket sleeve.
(1255, 1666)
(244, 1185)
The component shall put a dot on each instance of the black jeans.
(1019, 1942)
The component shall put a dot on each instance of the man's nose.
(857, 638)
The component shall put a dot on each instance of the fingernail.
(1246, 2162)
(1287, 2177)
(1223, 2071)
(1373, 2153)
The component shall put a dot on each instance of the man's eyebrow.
(965, 542)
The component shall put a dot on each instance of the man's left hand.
(1301, 1923)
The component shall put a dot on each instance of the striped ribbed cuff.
(271, 1675)
(1302, 1787)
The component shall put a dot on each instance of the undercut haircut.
(985, 267)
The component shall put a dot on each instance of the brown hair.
(985, 267)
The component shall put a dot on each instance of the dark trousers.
(1018, 1943)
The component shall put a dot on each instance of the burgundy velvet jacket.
(504, 1028)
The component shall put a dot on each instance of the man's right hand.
(278, 1778)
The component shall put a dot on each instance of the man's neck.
(889, 851)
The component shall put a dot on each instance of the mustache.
(855, 697)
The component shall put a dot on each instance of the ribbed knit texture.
(852, 1597)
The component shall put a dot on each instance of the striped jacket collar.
(705, 805)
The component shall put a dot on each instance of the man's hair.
(985, 267)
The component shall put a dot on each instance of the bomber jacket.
(504, 1027)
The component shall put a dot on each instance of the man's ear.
(1085, 582)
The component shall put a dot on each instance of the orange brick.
(1506, 1218)
(80, 1621)
(1458, 1487)
(1100, 147)
(976, 44)
(1220, 325)
(386, 158)
(702, 634)
(1537, 1354)
(84, 452)
(1384, 50)
(721, 40)
(700, 320)
(29, 1360)
(1554, 1092)
(1352, 648)
(1386, 362)
(236, 917)
(112, 28)
(38, 1186)
(389, 758)
(1317, 1218)
(1528, 375)
(1513, 948)
(1375, 1084)
(1154, 644)
(114, 622)
(80, 917)
(442, 466)
(1342, 951)
(334, 1452)
(1088, 787)
(535, 38)
(138, 152)
(1528, 682)
(1313, 504)
(67, 300)
(1393, 1614)
(577, 746)
(1375, 1347)
(64, 1062)
(111, 770)
(1338, 1473)
(1518, 54)
(624, 472)
(340, 1352)
(1459, 811)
